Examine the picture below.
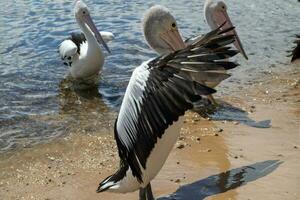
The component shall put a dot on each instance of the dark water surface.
(35, 106)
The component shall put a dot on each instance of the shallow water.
(35, 106)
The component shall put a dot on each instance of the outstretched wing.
(160, 91)
(211, 75)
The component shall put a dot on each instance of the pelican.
(82, 52)
(215, 14)
(159, 92)
(295, 53)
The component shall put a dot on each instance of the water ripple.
(31, 72)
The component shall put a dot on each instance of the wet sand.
(254, 154)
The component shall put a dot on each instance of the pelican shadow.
(223, 182)
(228, 112)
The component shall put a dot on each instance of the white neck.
(208, 9)
(91, 40)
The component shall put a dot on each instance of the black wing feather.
(78, 39)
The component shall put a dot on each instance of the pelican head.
(221, 6)
(84, 19)
(160, 30)
(215, 12)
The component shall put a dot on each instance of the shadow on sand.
(228, 112)
(223, 182)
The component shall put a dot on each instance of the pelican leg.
(149, 192)
(146, 193)
(212, 100)
(143, 194)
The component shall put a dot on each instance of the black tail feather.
(113, 179)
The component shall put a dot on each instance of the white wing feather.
(107, 36)
(67, 48)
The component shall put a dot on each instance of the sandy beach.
(56, 141)
(252, 155)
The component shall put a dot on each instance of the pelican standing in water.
(82, 52)
(158, 94)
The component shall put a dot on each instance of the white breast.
(155, 161)
(89, 62)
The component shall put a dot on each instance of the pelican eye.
(174, 25)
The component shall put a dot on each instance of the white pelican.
(211, 9)
(215, 13)
(158, 94)
(82, 52)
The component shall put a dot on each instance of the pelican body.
(158, 94)
(82, 51)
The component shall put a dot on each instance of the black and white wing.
(295, 53)
(72, 46)
(212, 76)
(160, 91)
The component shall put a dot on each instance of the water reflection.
(223, 182)
(83, 110)
(72, 94)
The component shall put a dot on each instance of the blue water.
(35, 106)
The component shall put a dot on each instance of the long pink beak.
(220, 17)
(88, 20)
(173, 39)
